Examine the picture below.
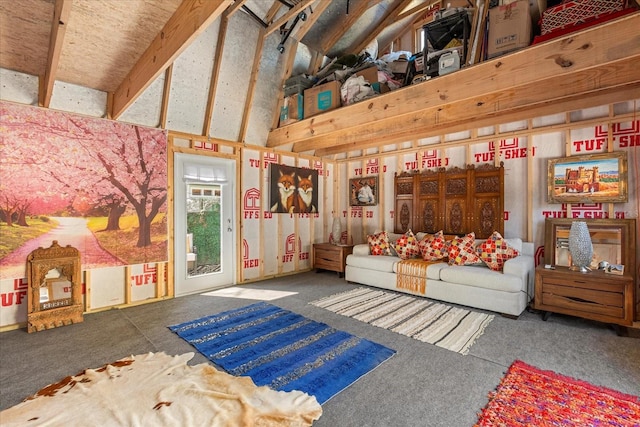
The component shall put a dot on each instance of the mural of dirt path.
(70, 231)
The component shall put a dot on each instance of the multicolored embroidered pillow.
(433, 247)
(379, 243)
(462, 250)
(407, 246)
(495, 251)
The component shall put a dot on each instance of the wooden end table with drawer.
(595, 295)
(327, 256)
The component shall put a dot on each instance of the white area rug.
(449, 327)
(247, 293)
(155, 389)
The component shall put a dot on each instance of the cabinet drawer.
(578, 306)
(328, 255)
(613, 299)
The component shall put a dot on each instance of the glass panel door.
(203, 228)
(204, 254)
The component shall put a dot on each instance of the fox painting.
(286, 193)
(293, 190)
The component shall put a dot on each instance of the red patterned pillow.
(495, 251)
(462, 250)
(379, 244)
(407, 246)
(433, 247)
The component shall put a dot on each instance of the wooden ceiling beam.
(552, 65)
(572, 103)
(61, 13)
(340, 30)
(215, 72)
(275, 25)
(389, 19)
(190, 19)
(416, 9)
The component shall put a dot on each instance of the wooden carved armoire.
(454, 200)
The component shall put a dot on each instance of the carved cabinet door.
(404, 213)
(430, 210)
(456, 203)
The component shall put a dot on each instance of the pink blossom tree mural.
(60, 165)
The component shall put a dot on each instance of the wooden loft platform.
(596, 66)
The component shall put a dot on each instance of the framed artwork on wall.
(293, 190)
(591, 178)
(363, 191)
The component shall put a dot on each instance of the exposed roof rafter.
(190, 19)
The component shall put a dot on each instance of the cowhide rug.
(156, 389)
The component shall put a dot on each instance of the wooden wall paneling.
(127, 284)
(215, 74)
(161, 283)
(530, 180)
(264, 205)
(87, 291)
(62, 9)
(171, 202)
(237, 226)
(567, 152)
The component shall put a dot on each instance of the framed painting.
(363, 191)
(591, 178)
(293, 190)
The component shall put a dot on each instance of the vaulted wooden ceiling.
(121, 47)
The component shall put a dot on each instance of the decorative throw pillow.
(379, 244)
(462, 250)
(433, 247)
(495, 251)
(407, 246)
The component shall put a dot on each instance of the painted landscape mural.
(97, 185)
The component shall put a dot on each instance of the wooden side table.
(327, 256)
(595, 295)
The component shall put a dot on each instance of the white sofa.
(507, 292)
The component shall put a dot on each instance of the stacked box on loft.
(571, 13)
(297, 85)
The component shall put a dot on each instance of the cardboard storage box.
(321, 98)
(292, 109)
(370, 74)
(509, 28)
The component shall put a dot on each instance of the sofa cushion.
(495, 251)
(481, 276)
(462, 250)
(433, 247)
(379, 243)
(373, 263)
(407, 246)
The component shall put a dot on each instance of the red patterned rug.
(528, 396)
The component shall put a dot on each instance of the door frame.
(174, 148)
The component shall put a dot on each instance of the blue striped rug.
(283, 350)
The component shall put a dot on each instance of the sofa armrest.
(522, 266)
(361, 249)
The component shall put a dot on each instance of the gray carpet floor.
(422, 385)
